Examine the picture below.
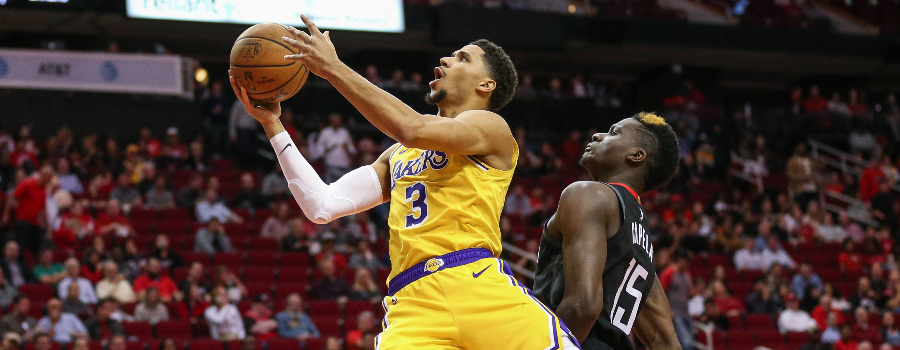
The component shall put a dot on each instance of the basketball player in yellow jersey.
(446, 180)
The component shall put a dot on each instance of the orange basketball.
(258, 64)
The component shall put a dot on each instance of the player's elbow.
(318, 219)
(410, 137)
(580, 310)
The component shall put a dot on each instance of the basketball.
(258, 64)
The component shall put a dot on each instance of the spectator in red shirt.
(113, 222)
(153, 278)
(821, 311)
(31, 199)
(856, 108)
(365, 322)
(870, 179)
(815, 103)
(193, 305)
(22, 154)
(729, 305)
(847, 342)
(148, 144)
(849, 259)
(72, 226)
(863, 330)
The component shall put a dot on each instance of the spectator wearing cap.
(62, 326)
(212, 239)
(15, 269)
(151, 310)
(224, 319)
(155, 279)
(210, 207)
(259, 319)
(793, 319)
(18, 320)
(805, 278)
(293, 322)
(85, 288)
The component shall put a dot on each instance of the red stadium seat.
(175, 214)
(354, 308)
(315, 343)
(143, 214)
(325, 308)
(171, 227)
(771, 339)
(262, 259)
(205, 344)
(38, 293)
(201, 331)
(154, 344)
(180, 330)
(141, 330)
(329, 326)
(136, 345)
(796, 339)
(283, 344)
(191, 257)
(295, 260)
(254, 289)
(760, 323)
(285, 289)
(264, 244)
(95, 345)
(233, 261)
(293, 275)
(261, 275)
(741, 340)
(180, 274)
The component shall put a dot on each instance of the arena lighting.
(201, 76)
(572, 8)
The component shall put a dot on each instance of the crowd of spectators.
(143, 232)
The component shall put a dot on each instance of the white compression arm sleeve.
(354, 192)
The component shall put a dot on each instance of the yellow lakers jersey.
(441, 203)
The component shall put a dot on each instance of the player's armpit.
(653, 325)
(587, 212)
(474, 132)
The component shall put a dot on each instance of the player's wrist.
(273, 128)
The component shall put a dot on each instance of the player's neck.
(447, 110)
(621, 178)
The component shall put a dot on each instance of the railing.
(856, 209)
(743, 174)
(840, 160)
(521, 253)
(707, 329)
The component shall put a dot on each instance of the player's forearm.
(354, 192)
(578, 318)
(386, 112)
(273, 129)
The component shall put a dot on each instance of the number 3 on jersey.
(416, 194)
(634, 272)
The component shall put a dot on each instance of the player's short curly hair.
(501, 69)
(662, 145)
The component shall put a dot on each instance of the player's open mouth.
(438, 74)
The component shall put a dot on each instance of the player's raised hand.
(265, 113)
(316, 50)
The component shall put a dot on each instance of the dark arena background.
(779, 226)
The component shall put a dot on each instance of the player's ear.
(637, 155)
(487, 85)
